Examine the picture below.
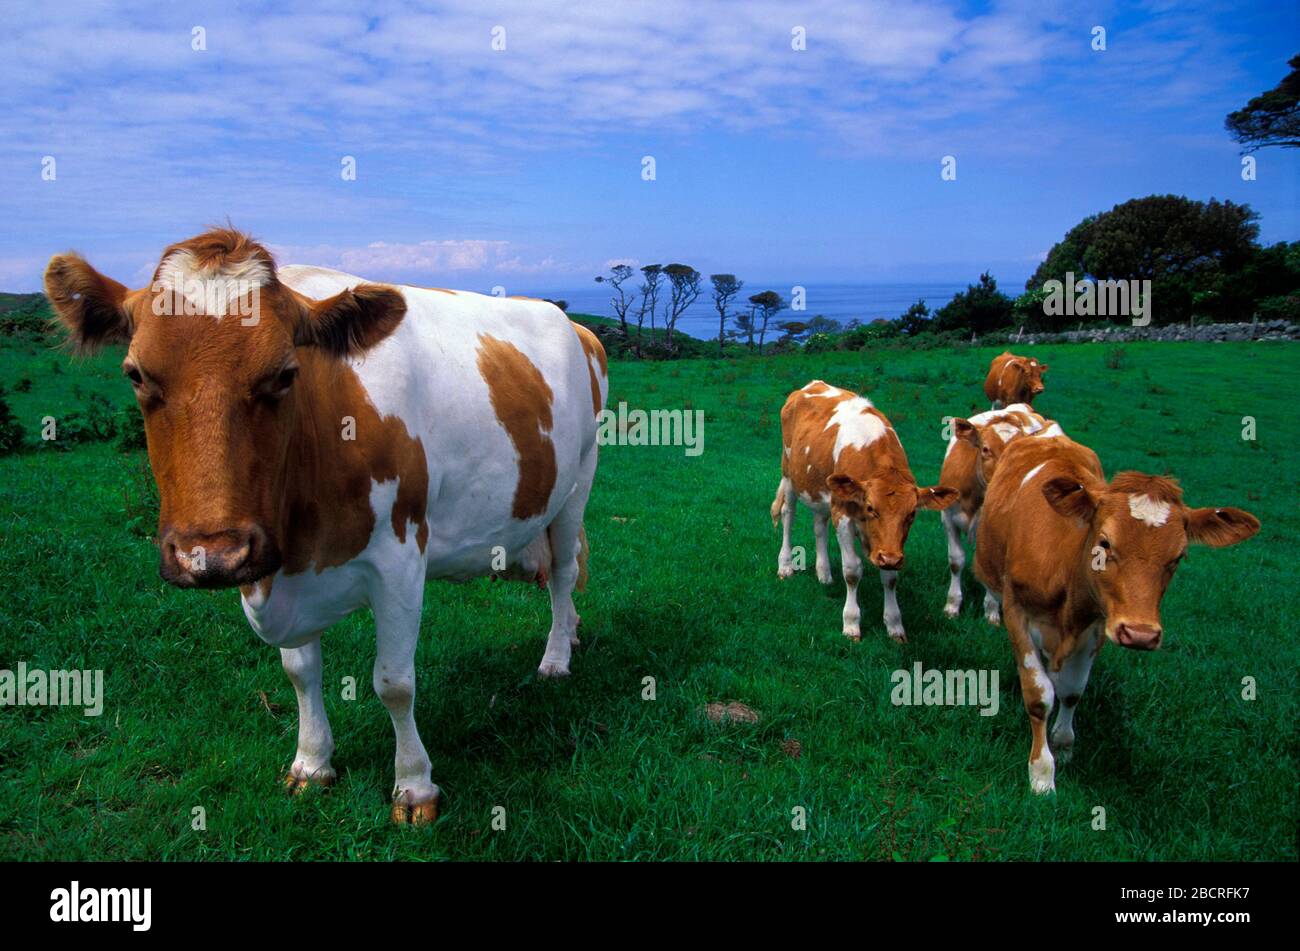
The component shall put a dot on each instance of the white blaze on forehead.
(212, 289)
(857, 427)
(1146, 509)
(829, 392)
(1031, 473)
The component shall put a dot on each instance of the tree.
(1179, 244)
(745, 322)
(684, 288)
(981, 308)
(915, 320)
(621, 302)
(1271, 118)
(652, 279)
(768, 304)
(725, 289)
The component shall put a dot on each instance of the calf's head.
(218, 351)
(1138, 532)
(883, 509)
(1022, 379)
(988, 442)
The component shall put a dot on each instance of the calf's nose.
(1138, 636)
(208, 558)
(888, 560)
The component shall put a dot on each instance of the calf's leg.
(1038, 694)
(956, 560)
(820, 524)
(785, 496)
(311, 763)
(1070, 682)
(893, 616)
(852, 567)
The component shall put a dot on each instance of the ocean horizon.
(842, 302)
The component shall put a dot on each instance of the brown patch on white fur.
(591, 346)
(522, 400)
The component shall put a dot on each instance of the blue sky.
(522, 167)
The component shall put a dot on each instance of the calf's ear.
(1219, 528)
(847, 492)
(91, 306)
(1070, 497)
(936, 496)
(350, 323)
(965, 431)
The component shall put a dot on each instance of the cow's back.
(500, 392)
(1021, 538)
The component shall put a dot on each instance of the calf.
(1076, 560)
(327, 444)
(1013, 379)
(843, 460)
(973, 451)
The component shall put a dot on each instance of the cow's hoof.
(785, 571)
(898, 637)
(297, 782)
(552, 670)
(416, 814)
(951, 610)
(824, 576)
(994, 618)
(853, 634)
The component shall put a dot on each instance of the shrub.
(11, 431)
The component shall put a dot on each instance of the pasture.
(683, 589)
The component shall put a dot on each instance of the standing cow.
(1077, 560)
(1013, 379)
(843, 460)
(327, 444)
(972, 455)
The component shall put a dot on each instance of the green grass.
(683, 589)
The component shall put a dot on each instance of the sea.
(839, 302)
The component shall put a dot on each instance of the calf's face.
(1025, 374)
(987, 440)
(217, 379)
(883, 510)
(1138, 533)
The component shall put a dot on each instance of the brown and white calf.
(843, 460)
(1013, 379)
(328, 444)
(1077, 560)
(972, 455)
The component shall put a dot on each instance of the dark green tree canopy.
(1271, 118)
(1153, 238)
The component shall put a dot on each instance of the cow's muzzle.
(223, 559)
(1143, 637)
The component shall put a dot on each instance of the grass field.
(683, 589)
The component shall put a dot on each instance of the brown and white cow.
(328, 444)
(1077, 560)
(1013, 379)
(972, 455)
(843, 460)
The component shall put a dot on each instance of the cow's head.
(218, 351)
(987, 440)
(1023, 379)
(883, 508)
(1138, 532)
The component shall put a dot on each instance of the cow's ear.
(350, 323)
(1220, 527)
(1070, 497)
(845, 489)
(1042, 368)
(936, 496)
(91, 306)
(966, 431)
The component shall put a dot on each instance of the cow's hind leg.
(956, 560)
(783, 508)
(397, 630)
(566, 545)
(311, 764)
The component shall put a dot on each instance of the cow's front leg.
(851, 565)
(893, 616)
(311, 764)
(956, 560)
(821, 530)
(397, 630)
(1038, 695)
(1070, 682)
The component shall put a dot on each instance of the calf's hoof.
(552, 670)
(898, 637)
(951, 610)
(784, 571)
(824, 576)
(421, 813)
(300, 780)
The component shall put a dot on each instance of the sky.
(524, 167)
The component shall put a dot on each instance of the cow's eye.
(286, 377)
(133, 374)
(1104, 542)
